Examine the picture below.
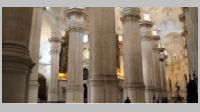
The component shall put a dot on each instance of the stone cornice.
(134, 85)
(155, 37)
(146, 37)
(53, 39)
(145, 23)
(130, 14)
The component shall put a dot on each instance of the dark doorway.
(85, 93)
(42, 93)
(85, 74)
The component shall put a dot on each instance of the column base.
(33, 91)
(136, 92)
(159, 92)
(16, 67)
(149, 93)
(52, 96)
(104, 89)
(74, 94)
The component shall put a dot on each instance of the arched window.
(85, 54)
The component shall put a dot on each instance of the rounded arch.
(169, 26)
(175, 46)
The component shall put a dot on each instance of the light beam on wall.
(85, 38)
(146, 17)
(154, 33)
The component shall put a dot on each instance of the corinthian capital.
(75, 19)
(55, 45)
(130, 14)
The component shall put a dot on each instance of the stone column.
(145, 29)
(55, 41)
(190, 20)
(162, 71)
(34, 47)
(75, 18)
(132, 55)
(156, 65)
(16, 62)
(103, 82)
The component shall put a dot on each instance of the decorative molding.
(75, 11)
(145, 23)
(55, 45)
(14, 53)
(56, 34)
(134, 85)
(76, 28)
(155, 37)
(76, 19)
(99, 80)
(130, 14)
(72, 88)
(146, 37)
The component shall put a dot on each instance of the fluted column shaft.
(16, 62)
(132, 54)
(55, 41)
(76, 18)
(145, 29)
(103, 83)
(156, 65)
(34, 53)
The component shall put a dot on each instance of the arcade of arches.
(98, 55)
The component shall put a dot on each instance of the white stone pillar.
(76, 18)
(16, 62)
(163, 72)
(145, 29)
(156, 65)
(132, 55)
(55, 41)
(34, 47)
(190, 19)
(103, 82)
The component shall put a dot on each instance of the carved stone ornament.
(55, 45)
(145, 23)
(76, 19)
(130, 14)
